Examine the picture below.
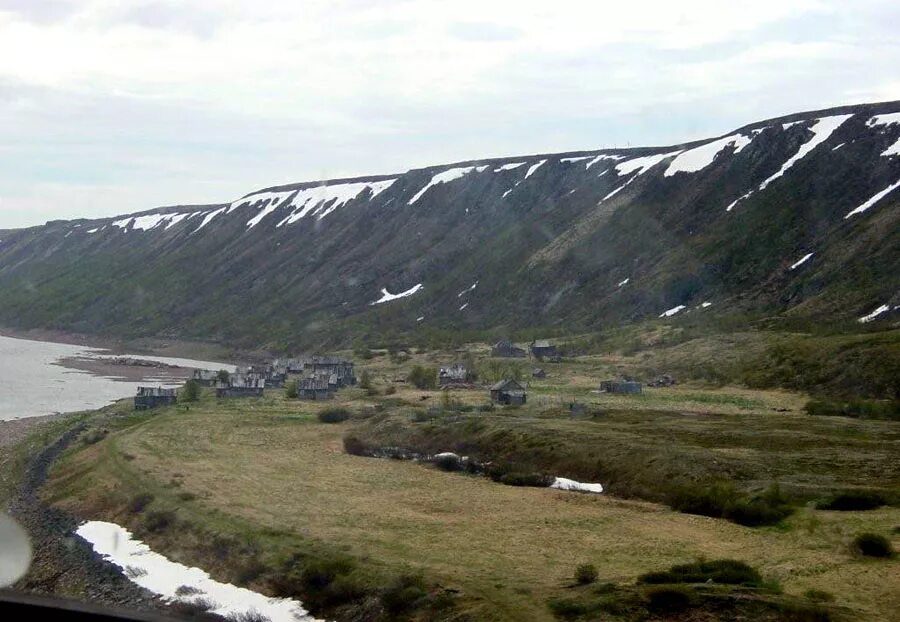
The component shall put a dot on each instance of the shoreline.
(13, 431)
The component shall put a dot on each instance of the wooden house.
(322, 365)
(205, 377)
(541, 349)
(316, 388)
(506, 349)
(242, 385)
(152, 397)
(452, 374)
(620, 386)
(508, 392)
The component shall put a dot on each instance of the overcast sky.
(109, 106)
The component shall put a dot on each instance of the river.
(41, 378)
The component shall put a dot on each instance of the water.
(34, 383)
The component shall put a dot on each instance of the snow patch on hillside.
(786, 126)
(319, 201)
(698, 158)
(562, 483)
(208, 217)
(672, 311)
(643, 163)
(873, 200)
(578, 159)
(508, 167)
(444, 177)
(624, 282)
(533, 168)
(821, 129)
(801, 261)
(884, 119)
(874, 314)
(386, 296)
(603, 156)
(148, 221)
(467, 290)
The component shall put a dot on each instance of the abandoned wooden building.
(620, 386)
(317, 388)
(452, 374)
(542, 349)
(538, 373)
(322, 365)
(151, 397)
(205, 377)
(506, 349)
(508, 392)
(242, 385)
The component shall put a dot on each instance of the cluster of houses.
(317, 378)
(541, 349)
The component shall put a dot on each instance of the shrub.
(757, 512)
(291, 389)
(857, 409)
(247, 616)
(403, 594)
(568, 609)
(139, 502)
(585, 574)
(159, 520)
(852, 501)
(354, 446)
(249, 571)
(222, 376)
(721, 500)
(365, 380)
(873, 545)
(333, 415)
(187, 590)
(423, 377)
(318, 575)
(94, 436)
(725, 571)
(448, 462)
(819, 596)
(390, 390)
(712, 500)
(672, 599)
(538, 480)
(190, 392)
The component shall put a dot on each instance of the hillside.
(795, 215)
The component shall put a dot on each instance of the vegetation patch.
(724, 571)
(873, 545)
(335, 414)
(853, 501)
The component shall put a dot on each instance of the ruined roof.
(507, 385)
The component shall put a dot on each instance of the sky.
(110, 106)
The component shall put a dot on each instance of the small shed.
(538, 373)
(506, 349)
(541, 349)
(452, 374)
(508, 392)
(316, 388)
(152, 397)
(620, 386)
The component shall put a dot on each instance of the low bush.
(159, 520)
(139, 502)
(249, 571)
(247, 616)
(423, 377)
(857, 409)
(665, 600)
(333, 415)
(724, 571)
(404, 594)
(390, 390)
(853, 501)
(585, 574)
(538, 480)
(448, 462)
(354, 446)
(190, 392)
(819, 596)
(94, 436)
(291, 389)
(318, 575)
(721, 500)
(568, 609)
(873, 545)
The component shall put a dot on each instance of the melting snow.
(386, 296)
(644, 163)
(208, 218)
(884, 119)
(671, 311)
(561, 483)
(785, 126)
(420, 318)
(94, 230)
(705, 304)
(508, 191)
(467, 290)
(148, 221)
(821, 129)
(320, 201)
(508, 167)
(839, 146)
(700, 157)
(445, 176)
(464, 306)
(621, 283)
(603, 156)
(872, 201)
(533, 168)
(801, 261)
(868, 318)
(161, 576)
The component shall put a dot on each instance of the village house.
(152, 397)
(205, 377)
(242, 385)
(506, 349)
(452, 374)
(620, 386)
(541, 349)
(342, 369)
(317, 388)
(508, 392)
(275, 376)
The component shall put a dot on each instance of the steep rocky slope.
(796, 215)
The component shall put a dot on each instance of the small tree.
(586, 573)
(223, 376)
(290, 389)
(365, 380)
(423, 377)
(190, 392)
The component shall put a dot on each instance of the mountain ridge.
(568, 240)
